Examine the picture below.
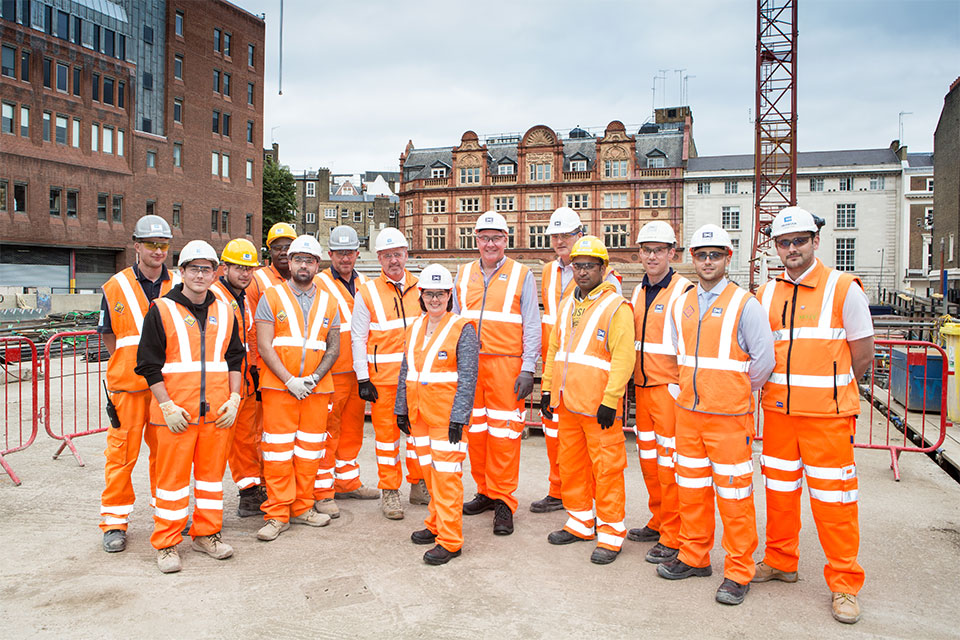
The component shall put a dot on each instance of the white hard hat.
(793, 220)
(390, 238)
(435, 276)
(344, 237)
(564, 220)
(657, 231)
(197, 250)
(491, 220)
(306, 244)
(710, 235)
(151, 226)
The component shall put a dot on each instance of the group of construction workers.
(268, 369)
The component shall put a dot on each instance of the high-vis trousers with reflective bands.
(203, 447)
(387, 438)
(442, 465)
(714, 456)
(550, 439)
(246, 464)
(339, 470)
(294, 434)
(822, 449)
(592, 461)
(123, 449)
(656, 426)
(495, 429)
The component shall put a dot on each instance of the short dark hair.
(449, 303)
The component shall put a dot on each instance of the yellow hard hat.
(240, 251)
(281, 230)
(590, 246)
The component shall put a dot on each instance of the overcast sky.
(361, 78)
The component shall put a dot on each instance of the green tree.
(279, 196)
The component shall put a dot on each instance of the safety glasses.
(156, 246)
(784, 243)
(713, 256)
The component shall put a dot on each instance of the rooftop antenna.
(903, 113)
(679, 73)
(281, 50)
(663, 78)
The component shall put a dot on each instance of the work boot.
(250, 502)
(563, 537)
(677, 569)
(327, 506)
(766, 573)
(419, 493)
(390, 504)
(261, 493)
(439, 555)
(361, 493)
(660, 553)
(602, 555)
(502, 518)
(212, 546)
(169, 560)
(312, 518)
(731, 592)
(423, 536)
(114, 540)
(546, 504)
(479, 504)
(272, 529)
(646, 534)
(846, 609)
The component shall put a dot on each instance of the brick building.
(115, 109)
(923, 263)
(946, 193)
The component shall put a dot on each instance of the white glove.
(300, 388)
(176, 417)
(228, 411)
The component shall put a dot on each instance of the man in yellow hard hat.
(278, 241)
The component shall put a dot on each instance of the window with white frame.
(654, 198)
(876, 183)
(735, 256)
(538, 238)
(703, 188)
(539, 203)
(438, 172)
(215, 163)
(470, 175)
(731, 186)
(436, 238)
(816, 184)
(540, 171)
(311, 217)
(578, 200)
(468, 205)
(615, 200)
(615, 235)
(656, 162)
(504, 203)
(466, 238)
(846, 183)
(311, 189)
(730, 218)
(846, 254)
(330, 213)
(511, 235)
(578, 165)
(846, 216)
(930, 184)
(927, 222)
(250, 170)
(358, 216)
(436, 205)
(614, 168)
(506, 169)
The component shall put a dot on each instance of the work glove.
(177, 418)
(606, 416)
(545, 405)
(455, 433)
(368, 392)
(300, 388)
(523, 385)
(228, 411)
(403, 423)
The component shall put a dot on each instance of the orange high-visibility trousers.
(656, 426)
(592, 461)
(387, 437)
(294, 432)
(714, 456)
(246, 464)
(339, 471)
(442, 465)
(822, 448)
(122, 452)
(495, 429)
(550, 439)
(203, 447)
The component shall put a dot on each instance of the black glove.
(523, 385)
(545, 405)
(403, 422)
(455, 433)
(367, 391)
(606, 416)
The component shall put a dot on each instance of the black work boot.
(250, 502)
(479, 504)
(502, 518)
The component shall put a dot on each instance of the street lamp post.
(880, 280)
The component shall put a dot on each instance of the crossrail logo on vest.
(503, 276)
(326, 321)
(688, 311)
(118, 307)
(282, 316)
(657, 308)
(442, 355)
(601, 334)
(213, 320)
(717, 311)
(190, 321)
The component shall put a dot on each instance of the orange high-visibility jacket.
(814, 371)
(128, 305)
(494, 313)
(345, 302)
(432, 369)
(391, 311)
(714, 370)
(244, 320)
(263, 278)
(299, 353)
(656, 358)
(552, 296)
(195, 367)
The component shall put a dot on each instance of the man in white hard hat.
(823, 334)
(556, 284)
(126, 298)
(655, 378)
(192, 357)
(724, 353)
(386, 306)
(499, 297)
(298, 332)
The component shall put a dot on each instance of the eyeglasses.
(654, 251)
(499, 239)
(434, 294)
(585, 266)
(155, 246)
(393, 255)
(713, 256)
(784, 243)
(303, 260)
(242, 268)
(195, 270)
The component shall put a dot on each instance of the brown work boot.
(360, 493)
(312, 518)
(327, 506)
(846, 609)
(419, 493)
(168, 560)
(390, 504)
(212, 546)
(766, 573)
(272, 529)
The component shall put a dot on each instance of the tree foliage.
(279, 196)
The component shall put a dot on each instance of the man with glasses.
(278, 241)
(724, 353)
(126, 298)
(823, 334)
(499, 297)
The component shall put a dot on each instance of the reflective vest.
(263, 278)
(195, 369)
(714, 370)
(391, 311)
(128, 305)
(299, 353)
(813, 375)
(550, 283)
(583, 353)
(244, 319)
(494, 308)
(432, 369)
(345, 301)
(656, 358)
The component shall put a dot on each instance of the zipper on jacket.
(835, 401)
(696, 358)
(643, 336)
(793, 313)
(203, 365)
(375, 358)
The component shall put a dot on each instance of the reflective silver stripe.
(177, 494)
(610, 539)
(739, 469)
(446, 446)
(305, 454)
(646, 436)
(692, 463)
(550, 433)
(814, 382)
(662, 345)
(171, 514)
(387, 325)
(119, 510)
(579, 527)
(385, 357)
(766, 296)
(510, 416)
(580, 358)
(112, 520)
(444, 466)
(718, 364)
(843, 497)
(132, 304)
(381, 324)
(831, 473)
(660, 349)
(387, 446)
(194, 367)
(648, 454)
(411, 453)
(345, 313)
(207, 503)
(387, 461)
(183, 339)
(666, 443)
(581, 515)
(277, 456)
(424, 460)
(811, 333)
(733, 493)
(433, 347)
(347, 475)
(203, 485)
(478, 427)
(326, 483)
(616, 526)
(694, 483)
(249, 481)
(780, 464)
(290, 341)
(306, 436)
(261, 275)
(501, 432)
(345, 463)
(786, 486)
(279, 438)
(129, 341)
(498, 316)
(665, 461)
(550, 300)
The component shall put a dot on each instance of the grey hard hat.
(152, 227)
(344, 237)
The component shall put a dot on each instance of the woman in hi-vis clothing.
(438, 378)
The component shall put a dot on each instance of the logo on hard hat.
(488, 219)
(247, 256)
(156, 227)
(556, 223)
(708, 234)
(435, 277)
(344, 238)
(787, 219)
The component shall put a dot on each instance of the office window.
(250, 93)
(121, 47)
(61, 131)
(876, 183)
(310, 217)
(578, 200)
(178, 24)
(178, 67)
(95, 87)
(703, 188)
(656, 162)
(731, 186)
(578, 165)
(224, 222)
(77, 30)
(214, 219)
(19, 197)
(614, 168)
(816, 184)
(6, 123)
(730, 218)
(216, 45)
(735, 255)
(311, 189)
(846, 184)
(25, 121)
(468, 205)
(225, 125)
(511, 234)
(466, 239)
(470, 175)
(504, 203)
(3, 195)
(250, 170)
(175, 217)
(930, 185)
(330, 213)
(72, 198)
(615, 200)
(96, 38)
(615, 235)
(226, 44)
(46, 126)
(148, 34)
(249, 224)
(47, 72)
(846, 254)
(148, 81)
(108, 90)
(216, 121)
(226, 84)
(109, 37)
(63, 25)
(95, 137)
(146, 125)
(215, 163)
(540, 171)
(358, 216)
(8, 61)
(436, 238)
(654, 198)
(538, 238)
(25, 66)
(56, 193)
(506, 169)
(225, 165)
(250, 54)
(75, 137)
(437, 206)
(250, 131)
(438, 172)
(177, 154)
(408, 207)
(120, 142)
(108, 140)
(846, 216)
(178, 110)
(216, 81)
(539, 203)
(76, 81)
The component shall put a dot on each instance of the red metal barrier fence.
(20, 415)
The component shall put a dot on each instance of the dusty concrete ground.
(361, 577)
